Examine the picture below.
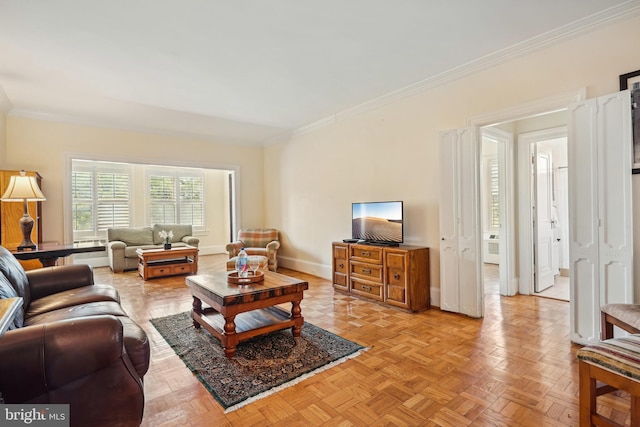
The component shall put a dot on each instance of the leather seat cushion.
(136, 344)
(135, 339)
(72, 297)
(89, 309)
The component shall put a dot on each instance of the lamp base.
(26, 226)
(27, 246)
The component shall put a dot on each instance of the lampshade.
(22, 188)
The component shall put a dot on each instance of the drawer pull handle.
(366, 288)
(341, 265)
(366, 270)
(396, 276)
(365, 253)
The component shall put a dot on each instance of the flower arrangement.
(166, 236)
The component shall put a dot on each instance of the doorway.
(550, 210)
(539, 143)
(461, 272)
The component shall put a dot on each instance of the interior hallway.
(559, 291)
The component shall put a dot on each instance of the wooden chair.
(616, 363)
(600, 373)
(624, 316)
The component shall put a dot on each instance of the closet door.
(601, 236)
(460, 267)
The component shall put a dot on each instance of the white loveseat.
(122, 243)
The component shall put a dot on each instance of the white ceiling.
(252, 70)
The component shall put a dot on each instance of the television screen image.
(377, 222)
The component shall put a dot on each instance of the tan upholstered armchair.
(257, 241)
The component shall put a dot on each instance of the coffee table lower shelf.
(247, 325)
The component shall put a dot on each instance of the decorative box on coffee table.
(167, 262)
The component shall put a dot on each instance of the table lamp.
(24, 189)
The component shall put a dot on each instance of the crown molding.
(327, 121)
(5, 102)
(286, 135)
(105, 124)
(627, 10)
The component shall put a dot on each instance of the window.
(176, 197)
(163, 204)
(110, 194)
(100, 194)
(191, 200)
(494, 194)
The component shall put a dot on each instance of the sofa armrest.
(43, 358)
(117, 244)
(191, 241)
(272, 247)
(115, 252)
(234, 248)
(51, 280)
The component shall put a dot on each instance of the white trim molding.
(313, 268)
(110, 124)
(626, 10)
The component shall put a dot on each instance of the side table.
(8, 309)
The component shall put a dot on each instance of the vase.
(167, 246)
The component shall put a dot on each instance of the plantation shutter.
(162, 190)
(191, 201)
(494, 194)
(82, 200)
(100, 195)
(113, 200)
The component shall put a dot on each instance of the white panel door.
(449, 292)
(460, 236)
(600, 235)
(615, 159)
(543, 221)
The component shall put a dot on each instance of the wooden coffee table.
(167, 262)
(239, 312)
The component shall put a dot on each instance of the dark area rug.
(261, 365)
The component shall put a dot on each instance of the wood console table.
(49, 252)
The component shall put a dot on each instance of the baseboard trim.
(435, 297)
(308, 267)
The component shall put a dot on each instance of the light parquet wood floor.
(515, 367)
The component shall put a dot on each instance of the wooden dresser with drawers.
(397, 276)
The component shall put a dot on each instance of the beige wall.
(3, 141)
(391, 152)
(305, 185)
(44, 146)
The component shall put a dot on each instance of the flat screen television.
(377, 222)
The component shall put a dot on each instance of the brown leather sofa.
(71, 343)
